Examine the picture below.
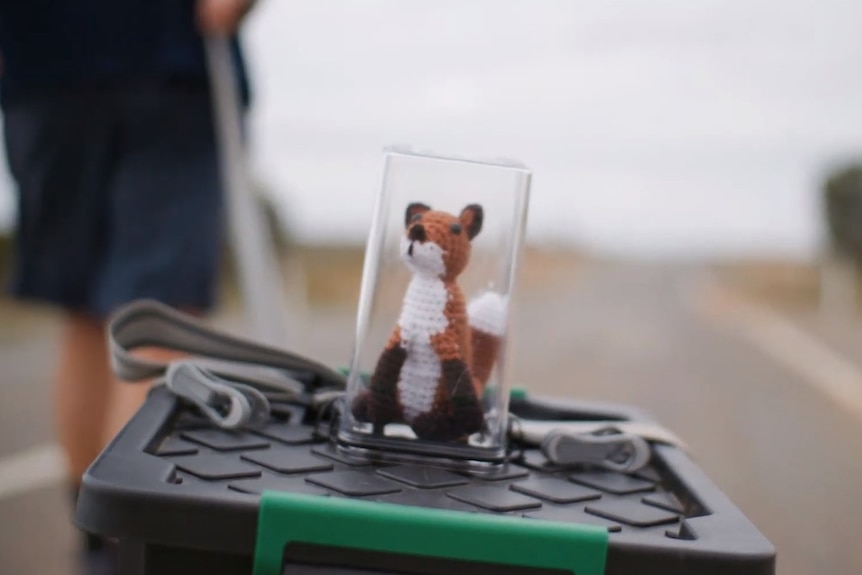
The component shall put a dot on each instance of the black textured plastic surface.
(555, 490)
(634, 515)
(667, 519)
(506, 472)
(355, 483)
(434, 499)
(685, 532)
(274, 482)
(330, 452)
(212, 466)
(225, 440)
(423, 477)
(287, 460)
(534, 459)
(173, 445)
(666, 501)
(612, 482)
(494, 498)
(290, 434)
(567, 514)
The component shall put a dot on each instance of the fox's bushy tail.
(487, 317)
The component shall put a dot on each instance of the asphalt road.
(773, 439)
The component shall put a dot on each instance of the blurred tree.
(5, 256)
(843, 205)
(839, 271)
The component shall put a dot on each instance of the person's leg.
(59, 153)
(166, 219)
(81, 391)
(124, 399)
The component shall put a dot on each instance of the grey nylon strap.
(148, 323)
(228, 378)
(534, 432)
(622, 446)
(228, 404)
(609, 448)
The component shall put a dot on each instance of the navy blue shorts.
(119, 197)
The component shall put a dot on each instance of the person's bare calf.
(82, 392)
(91, 405)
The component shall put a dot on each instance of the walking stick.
(258, 269)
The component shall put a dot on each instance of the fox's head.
(438, 243)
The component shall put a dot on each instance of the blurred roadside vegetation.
(5, 256)
(331, 275)
(798, 284)
(842, 205)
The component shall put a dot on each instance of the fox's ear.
(413, 210)
(471, 220)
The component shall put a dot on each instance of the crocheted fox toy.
(433, 370)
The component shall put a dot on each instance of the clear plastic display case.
(429, 376)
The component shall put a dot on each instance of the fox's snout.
(417, 233)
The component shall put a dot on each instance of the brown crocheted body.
(456, 411)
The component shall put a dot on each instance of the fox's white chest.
(422, 317)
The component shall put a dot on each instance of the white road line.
(31, 469)
(828, 372)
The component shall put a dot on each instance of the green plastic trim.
(518, 393)
(345, 371)
(384, 527)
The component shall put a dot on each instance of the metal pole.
(258, 268)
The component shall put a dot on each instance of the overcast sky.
(652, 128)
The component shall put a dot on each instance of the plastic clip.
(228, 404)
(608, 448)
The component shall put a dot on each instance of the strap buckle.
(227, 404)
(608, 447)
